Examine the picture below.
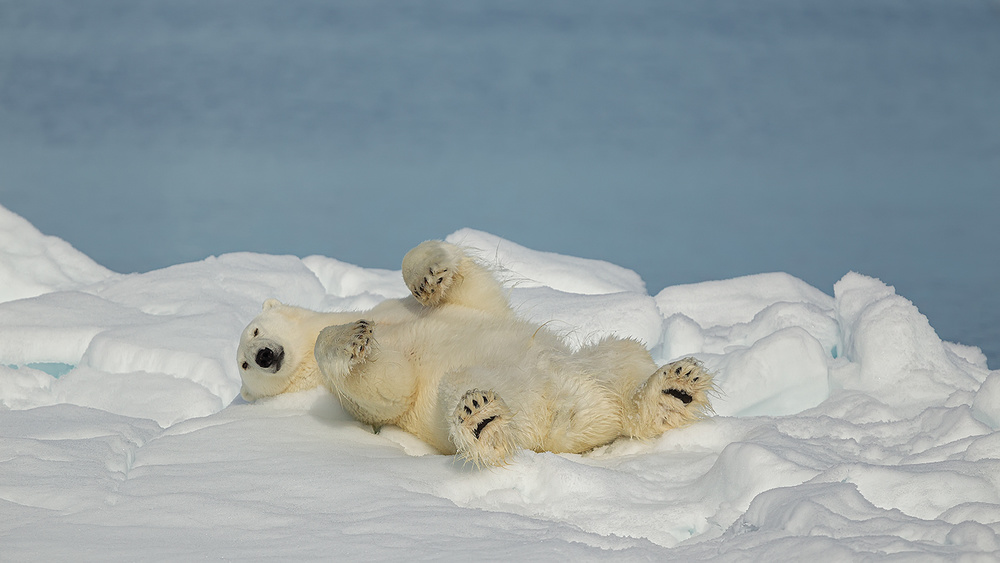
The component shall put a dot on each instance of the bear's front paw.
(339, 348)
(675, 395)
(430, 270)
(433, 285)
(482, 429)
(360, 345)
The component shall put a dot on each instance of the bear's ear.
(271, 303)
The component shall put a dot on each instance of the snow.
(845, 427)
(32, 264)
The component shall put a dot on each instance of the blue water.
(686, 140)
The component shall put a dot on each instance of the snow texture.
(845, 427)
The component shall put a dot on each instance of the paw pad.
(433, 285)
(684, 397)
(482, 429)
(475, 412)
(675, 395)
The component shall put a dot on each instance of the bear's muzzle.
(269, 357)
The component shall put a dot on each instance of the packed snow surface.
(844, 426)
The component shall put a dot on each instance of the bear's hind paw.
(675, 395)
(481, 429)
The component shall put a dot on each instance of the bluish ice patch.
(55, 369)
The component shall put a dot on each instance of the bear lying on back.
(454, 365)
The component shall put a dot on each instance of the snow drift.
(845, 427)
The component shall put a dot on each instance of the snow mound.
(845, 427)
(32, 264)
(532, 268)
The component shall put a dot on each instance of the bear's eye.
(245, 365)
(256, 332)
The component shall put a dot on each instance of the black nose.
(267, 357)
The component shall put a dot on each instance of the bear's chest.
(450, 340)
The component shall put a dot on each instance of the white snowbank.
(32, 264)
(530, 268)
(846, 428)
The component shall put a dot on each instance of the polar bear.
(454, 365)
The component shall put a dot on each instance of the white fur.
(454, 365)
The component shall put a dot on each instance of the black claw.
(677, 371)
(468, 411)
(475, 403)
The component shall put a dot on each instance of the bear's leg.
(675, 395)
(374, 384)
(482, 429)
(438, 272)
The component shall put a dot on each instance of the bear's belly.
(471, 350)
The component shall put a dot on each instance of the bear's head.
(276, 352)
